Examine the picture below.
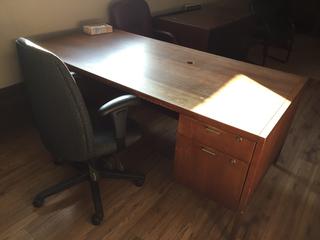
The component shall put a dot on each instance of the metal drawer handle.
(213, 130)
(239, 139)
(208, 151)
(233, 161)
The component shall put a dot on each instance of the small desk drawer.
(217, 175)
(223, 141)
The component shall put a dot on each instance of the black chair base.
(92, 175)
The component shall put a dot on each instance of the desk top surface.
(233, 94)
(210, 16)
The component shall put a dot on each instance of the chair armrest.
(118, 108)
(165, 36)
(118, 103)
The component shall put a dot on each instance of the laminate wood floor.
(285, 206)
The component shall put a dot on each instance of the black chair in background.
(233, 40)
(275, 28)
(134, 16)
(65, 128)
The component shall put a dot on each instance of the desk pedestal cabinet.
(222, 164)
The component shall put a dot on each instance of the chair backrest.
(58, 108)
(132, 16)
(274, 15)
(269, 9)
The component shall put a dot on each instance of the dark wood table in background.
(195, 29)
(233, 116)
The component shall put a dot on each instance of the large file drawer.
(213, 173)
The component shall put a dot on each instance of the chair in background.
(233, 40)
(134, 16)
(274, 26)
(65, 128)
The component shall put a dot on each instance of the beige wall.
(25, 18)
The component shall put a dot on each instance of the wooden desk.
(194, 29)
(234, 116)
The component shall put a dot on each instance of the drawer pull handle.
(233, 161)
(213, 130)
(239, 139)
(208, 151)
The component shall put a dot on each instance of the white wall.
(30, 17)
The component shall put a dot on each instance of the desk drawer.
(223, 141)
(217, 175)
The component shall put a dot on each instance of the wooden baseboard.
(11, 91)
(14, 106)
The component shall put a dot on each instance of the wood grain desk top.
(210, 16)
(234, 94)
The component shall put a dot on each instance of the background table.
(200, 28)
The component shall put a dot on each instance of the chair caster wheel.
(139, 183)
(38, 202)
(96, 220)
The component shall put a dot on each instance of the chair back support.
(58, 108)
(132, 16)
(274, 15)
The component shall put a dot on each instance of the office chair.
(65, 128)
(233, 41)
(134, 16)
(274, 26)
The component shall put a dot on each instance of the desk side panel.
(266, 153)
